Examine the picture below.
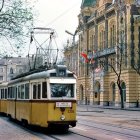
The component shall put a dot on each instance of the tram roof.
(38, 75)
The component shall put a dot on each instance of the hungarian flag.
(85, 57)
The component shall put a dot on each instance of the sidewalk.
(93, 107)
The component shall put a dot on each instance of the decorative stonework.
(105, 17)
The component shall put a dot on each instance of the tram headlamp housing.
(62, 117)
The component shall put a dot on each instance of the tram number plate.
(63, 104)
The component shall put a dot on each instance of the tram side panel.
(4, 106)
(3, 98)
(23, 110)
(11, 106)
(39, 113)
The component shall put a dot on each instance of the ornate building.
(71, 57)
(105, 28)
(12, 66)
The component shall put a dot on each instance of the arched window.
(11, 71)
(112, 32)
(20, 71)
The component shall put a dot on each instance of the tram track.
(116, 125)
(123, 133)
(43, 133)
(106, 115)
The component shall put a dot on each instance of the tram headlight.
(62, 117)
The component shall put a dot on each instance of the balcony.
(106, 51)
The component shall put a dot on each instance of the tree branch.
(2, 5)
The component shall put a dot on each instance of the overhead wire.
(40, 45)
(65, 12)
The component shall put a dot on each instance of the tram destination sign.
(63, 104)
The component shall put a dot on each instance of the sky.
(59, 15)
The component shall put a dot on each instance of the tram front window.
(62, 90)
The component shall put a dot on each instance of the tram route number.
(63, 104)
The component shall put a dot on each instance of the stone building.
(12, 66)
(105, 28)
(71, 57)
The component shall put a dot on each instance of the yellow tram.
(46, 98)
(3, 97)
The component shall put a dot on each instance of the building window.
(100, 40)
(20, 71)
(11, 71)
(1, 69)
(112, 36)
(1, 78)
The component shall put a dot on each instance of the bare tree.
(15, 20)
(117, 65)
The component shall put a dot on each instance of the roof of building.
(86, 3)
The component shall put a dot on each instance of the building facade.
(71, 57)
(12, 66)
(105, 28)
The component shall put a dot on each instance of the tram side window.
(19, 92)
(2, 93)
(9, 92)
(44, 90)
(39, 90)
(14, 92)
(5, 93)
(34, 91)
(27, 91)
(22, 91)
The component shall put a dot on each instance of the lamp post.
(73, 35)
(74, 60)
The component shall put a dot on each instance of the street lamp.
(72, 34)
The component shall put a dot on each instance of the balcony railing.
(106, 51)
